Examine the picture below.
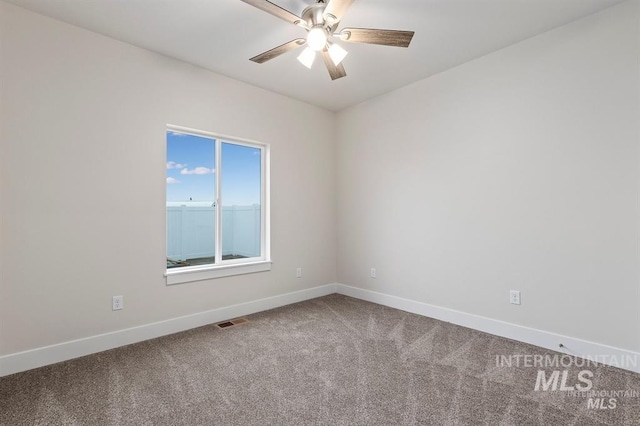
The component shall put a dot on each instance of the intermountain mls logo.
(584, 381)
(554, 375)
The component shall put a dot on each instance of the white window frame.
(224, 268)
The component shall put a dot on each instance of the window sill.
(199, 273)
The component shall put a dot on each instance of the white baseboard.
(22, 361)
(604, 354)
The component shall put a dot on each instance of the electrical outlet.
(373, 272)
(117, 303)
(514, 297)
(299, 273)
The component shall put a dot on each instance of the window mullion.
(218, 180)
(264, 209)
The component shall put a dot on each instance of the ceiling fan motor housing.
(313, 16)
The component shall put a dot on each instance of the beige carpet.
(333, 361)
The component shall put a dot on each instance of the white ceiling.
(221, 35)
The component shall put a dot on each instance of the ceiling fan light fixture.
(322, 20)
(317, 38)
(307, 57)
(337, 53)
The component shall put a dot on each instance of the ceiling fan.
(321, 21)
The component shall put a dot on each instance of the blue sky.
(191, 171)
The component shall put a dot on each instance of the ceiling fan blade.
(335, 71)
(336, 9)
(275, 10)
(373, 36)
(277, 51)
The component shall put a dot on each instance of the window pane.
(190, 200)
(241, 201)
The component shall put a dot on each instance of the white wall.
(518, 170)
(83, 125)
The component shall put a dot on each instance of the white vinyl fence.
(191, 231)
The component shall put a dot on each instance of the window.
(217, 206)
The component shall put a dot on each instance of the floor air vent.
(227, 324)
